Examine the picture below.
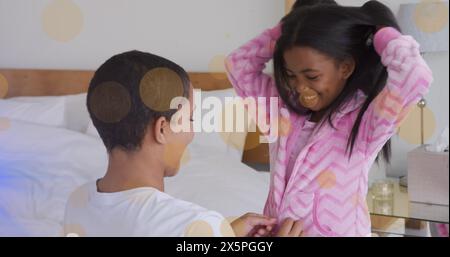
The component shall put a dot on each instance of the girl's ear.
(347, 68)
(161, 130)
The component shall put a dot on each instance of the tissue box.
(428, 176)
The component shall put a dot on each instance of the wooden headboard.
(66, 82)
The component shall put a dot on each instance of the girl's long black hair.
(339, 32)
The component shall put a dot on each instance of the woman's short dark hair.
(115, 101)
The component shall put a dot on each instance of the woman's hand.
(290, 228)
(252, 224)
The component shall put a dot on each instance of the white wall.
(190, 32)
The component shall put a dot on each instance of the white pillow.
(48, 111)
(75, 114)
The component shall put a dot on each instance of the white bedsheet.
(41, 165)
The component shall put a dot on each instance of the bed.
(48, 147)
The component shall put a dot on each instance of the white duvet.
(41, 165)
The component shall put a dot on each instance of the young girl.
(346, 78)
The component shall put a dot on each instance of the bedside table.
(399, 216)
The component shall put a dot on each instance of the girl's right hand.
(290, 228)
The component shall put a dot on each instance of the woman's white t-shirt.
(138, 212)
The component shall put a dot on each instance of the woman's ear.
(161, 130)
(347, 68)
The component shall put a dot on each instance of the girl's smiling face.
(317, 78)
